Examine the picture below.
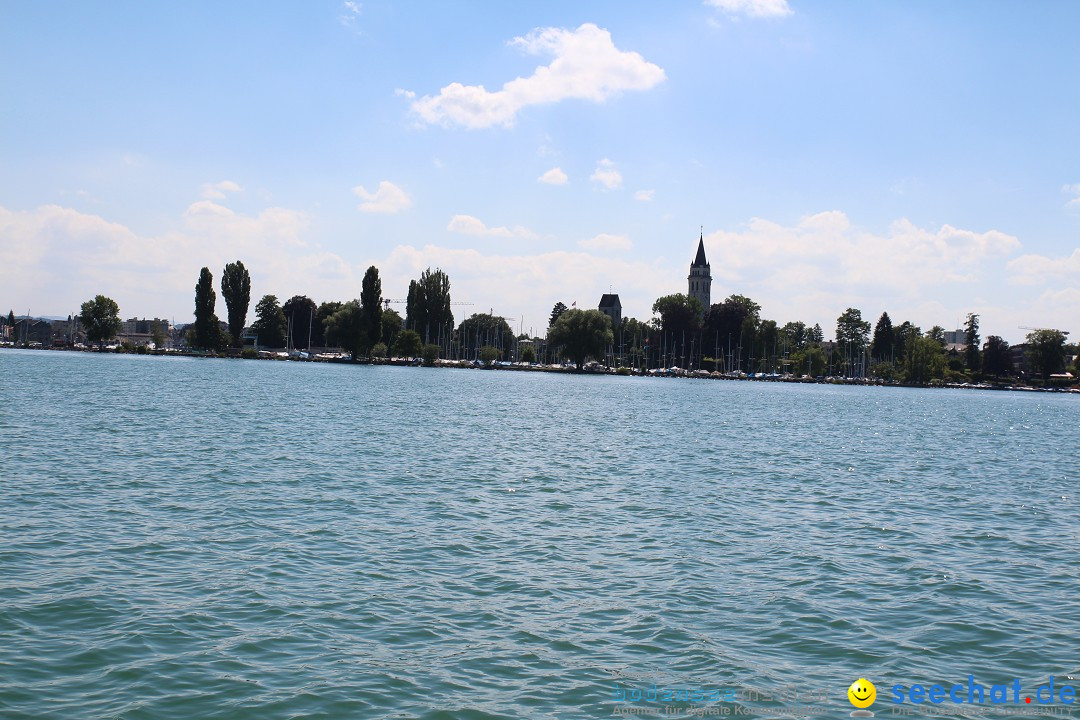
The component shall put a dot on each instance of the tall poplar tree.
(236, 289)
(371, 308)
(207, 329)
(428, 305)
(971, 339)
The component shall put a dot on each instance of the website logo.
(862, 694)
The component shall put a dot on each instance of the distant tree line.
(730, 336)
(364, 326)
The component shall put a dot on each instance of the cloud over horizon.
(57, 257)
(78, 255)
(824, 263)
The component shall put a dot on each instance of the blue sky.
(920, 158)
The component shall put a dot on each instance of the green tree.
(371, 307)
(817, 335)
(556, 311)
(528, 354)
(729, 317)
(236, 289)
(157, 335)
(971, 338)
(326, 309)
(413, 306)
(489, 354)
(808, 361)
(733, 323)
(486, 329)
(996, 358)
(937, 334)
(634, 337)
(428, 306)
(852, 336)
(430, 353)
(269, 323)
(345, 329)
(881, 347)
(680, 322)
(902, 335)
(207, 326)
(767, 338)
(924, 360)
(883, 370)
(678, 313)
(795, 335)
(408, 344)
(299, 313)
(582, 334)
(11, 325)
(379, 350)
(1046, 352)
(852, 331)
(391, 326)
(100, 319)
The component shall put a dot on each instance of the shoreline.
(606, 371)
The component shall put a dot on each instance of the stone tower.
(700, 278)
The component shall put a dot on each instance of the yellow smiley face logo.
(862, 693)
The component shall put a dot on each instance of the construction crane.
(387, 301)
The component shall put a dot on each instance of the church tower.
(700, 277)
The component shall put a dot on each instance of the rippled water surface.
(185, 538)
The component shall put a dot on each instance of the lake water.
(187, 538)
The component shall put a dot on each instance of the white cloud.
(58, 257)
(469, 225)
(1073, 190)
(586, 66)
(907, 257)
(388, 198)
(822, 264)
(554, 176)
(606, 241)
(606, 175)
(644, 195)
(216, 191)
(529, 285)
(752, 8)
(207, 207)
(350, 12)
(1035, 269)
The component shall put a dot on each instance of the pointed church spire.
(700, 260)
(700, 278)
